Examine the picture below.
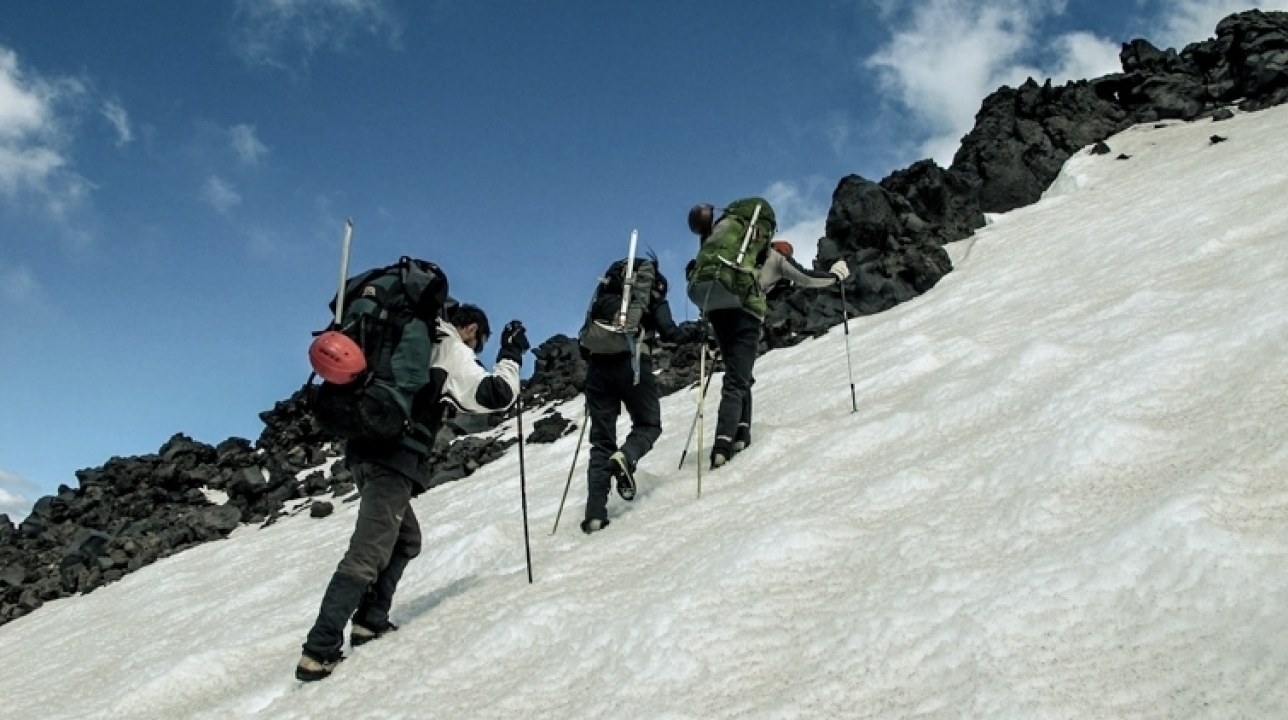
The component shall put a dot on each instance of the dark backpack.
(391, 313)
(604, 332)
(720, 280)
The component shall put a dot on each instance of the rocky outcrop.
(124, 515)
(891, 235)
(1022, 136)
(550, 427)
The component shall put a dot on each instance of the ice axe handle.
(344, 270)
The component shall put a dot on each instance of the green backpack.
(726, 272)
(391, 313)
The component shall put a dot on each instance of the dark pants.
(610, 383)
(385, 537)
(738, 335)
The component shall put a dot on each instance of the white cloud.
(222, 196)
(13, 501)
(33, 162)
(941, 62)
(246, 145)
(24, 107)
(1189, 21)
(1083, 56)
(120, 121)
(268, 32)
(27, 129)
(801, 215)
(27, 167)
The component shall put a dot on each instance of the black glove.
(514, 342)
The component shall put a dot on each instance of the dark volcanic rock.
(1022, 136)
(125, 515)
(558, 374)
(893, 251)
(549, 428)
(941, 205)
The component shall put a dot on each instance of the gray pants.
(385, 537)
(386, 525)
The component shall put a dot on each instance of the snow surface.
(1062, 496)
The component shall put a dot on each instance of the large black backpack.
(605, 331)
(391, 313)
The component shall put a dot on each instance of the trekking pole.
(344, 270)
(845, 313)
(689, 440)
(523, 490)
(581, 436)
(702, 397)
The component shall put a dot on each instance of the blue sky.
(174, 177)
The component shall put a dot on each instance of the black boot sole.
(311, 676)
(625, 481)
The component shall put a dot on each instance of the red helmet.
(783, 247)
(336, 358)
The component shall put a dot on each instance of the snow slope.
(1062, 496)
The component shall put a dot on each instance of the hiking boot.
(311, 668)
(593, 525)
(363, 634)
(742, 438)
(721, 452)
(625, 474)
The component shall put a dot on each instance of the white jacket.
(780, 267)
(466, 383)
